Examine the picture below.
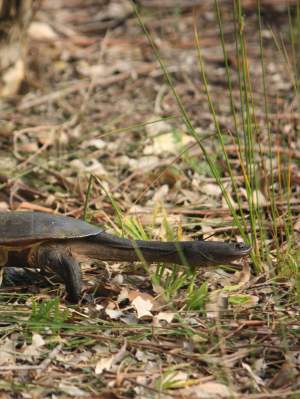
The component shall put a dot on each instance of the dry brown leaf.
(211, 189)
(3, 206)
(166, 316)
(96, 143)
(217, 302)
(142, 302)
(208, 390)
(33, 351)
(72, 390)
(156, 126)
(258, 198)
(104, 364)
(255, 378)
(160, 193)
(107, 363)
(146, 163)
(12, 78)
(286, 375)
(113, 313)
(94, 167)
(41, 31)
(243, 277)
(297, 225)
(231, 200)
(142, 306)
(7, 353)
(29, 146)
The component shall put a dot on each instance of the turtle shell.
(17, 228)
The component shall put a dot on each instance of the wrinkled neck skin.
(189, 253)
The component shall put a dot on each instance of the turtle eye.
(240, 245)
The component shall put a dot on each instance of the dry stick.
(219, 211)
(38, 152)
(275, 394)
(40, 368)
(103, 82)
(7, 182)
(170, 3)
(19, 133)
(159, 348)
(285, 151)
(46, 362)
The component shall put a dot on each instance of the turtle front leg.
(57, 259)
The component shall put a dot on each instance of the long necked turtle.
(43, 241)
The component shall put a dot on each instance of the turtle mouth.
(242, 248)
(235, 251)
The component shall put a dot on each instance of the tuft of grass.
(256, 165)
(47, 315)
(197, 296)
(168, 380)
(87, 198)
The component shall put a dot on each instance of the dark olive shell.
(17, 228)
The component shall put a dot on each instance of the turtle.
(40, 240)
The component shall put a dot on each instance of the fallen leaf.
(147, 163)
(244, 301)
(160, 193)
(230, 199)
(41, 31)
(113, 313)
(11, 78)
(142, 306)
(258, 198)
(104, 364)
(131, 295)
(107, 363)
(208, 390)
(33, 351)
(166, 316)
(297, 225)
(243, 277)
(211, 189)
(7, 356)
(256, 379)
(142, 302)
(217, 301)
(155, 125)
(96, 143)
(286, 375)
(4, 206)
(72, 390)
(94, 167)
(260, 367)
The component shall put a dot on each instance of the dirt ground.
(96, 102)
